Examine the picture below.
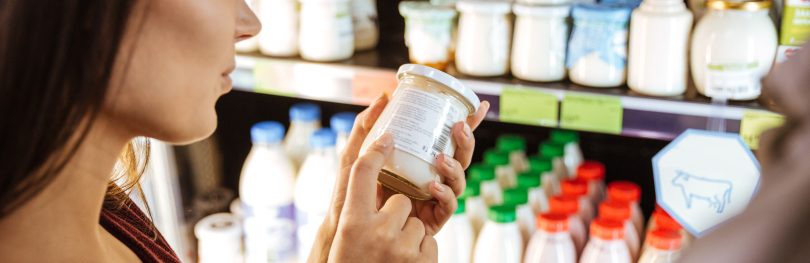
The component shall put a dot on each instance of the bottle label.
(270, 234)
(413, 123)
(796, 23)
(607, 39)
(732, 80)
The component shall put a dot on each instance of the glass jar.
(733, 47)
(366, 29)
(597, 53)
(428, 33)
(279, 35)
(484, 31)
(326, 30)
(420, 116)
(538, 47)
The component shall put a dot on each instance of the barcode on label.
(441, 142)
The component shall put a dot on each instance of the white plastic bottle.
(500, 239)
(266, 189)
(551, 242)
(572, 154)
(607, 243)
(342, 124)
(620, 212)
(538, 200)
(579, 189)
(491, 190)
(593, 172)
(305, 118)
(542, 165)
(455, 240)
(279, 35)
(659, 40)
(219, 238)
(476, 208)
(504, 171)
(519, 198)
(556, 152)
(630, 192)
(569, 206)
(313, 189)
(662, 246)
(516, 147)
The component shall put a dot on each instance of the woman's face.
(173, 65)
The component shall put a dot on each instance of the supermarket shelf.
(365, 76)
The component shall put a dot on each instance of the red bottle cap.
(615, 210)
(664, 239)
(607, 229)
(591, 170)
(665, 221)
(566, 205)
(575, 187)
(624, 191)
(552, 222)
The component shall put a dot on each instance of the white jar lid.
(442, 78)
(219, 226)
(484, 6)
(542, 10)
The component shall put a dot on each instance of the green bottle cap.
(482, 172)
(511, 143)
(473, 189)
(551, 149)
(539, 164)
(502, 214)
(515, 196)
(496, 157)
(563, 136)
(528, 180)
(462, 205)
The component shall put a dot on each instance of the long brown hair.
(56, 59)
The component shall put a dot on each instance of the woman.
(79, 79)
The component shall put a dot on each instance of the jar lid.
(543, 10)
(511, 142)
(425, 10)
(618, 13)
(444, 79)
(219, 226)
(516, 196)
(484, 6)
(739, 5)
(502, 214)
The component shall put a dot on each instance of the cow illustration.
(716, 192)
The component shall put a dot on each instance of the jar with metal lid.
(428, 33)
(597, 52)
(733, 47)
(484, 36)
(420, 116)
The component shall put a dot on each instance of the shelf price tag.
(754, 123)
(528, 106)
(269, 77)
(592, 113)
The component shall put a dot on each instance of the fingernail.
(439, 187)
(385, 141)
(467, 131)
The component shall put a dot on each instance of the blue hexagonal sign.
(704, 178)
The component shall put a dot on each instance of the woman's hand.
(434, 213)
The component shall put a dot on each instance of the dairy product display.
(606, 244)
(484, 35)
(313, 188)
(593, 173)
(538, 200)
(620, 212)
(538, 46)
(628, 192)
(552, 242)
(519, 198)
(578, 189)
(428, 33)
(597, 52)
(455, 241)
(733, 47)
(305, 119)
(659, 41)
(569, 206)
(420, 116)
(499, 240)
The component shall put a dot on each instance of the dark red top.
(132, 227)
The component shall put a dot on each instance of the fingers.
(363, 124)
(429, 250)
(465, 144)
(479, 115)
(413, 232)
(397, 209)
(439, 213)
(452, 173)
(361, 192)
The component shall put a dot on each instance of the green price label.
(754, 123)
(528, 106)
(592, 113)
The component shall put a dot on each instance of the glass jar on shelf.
(538, 47)
(484, 36)
(597, 52)
(326, 30)
(428, 33)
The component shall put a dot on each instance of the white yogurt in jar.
(484, 36)
(420, 116)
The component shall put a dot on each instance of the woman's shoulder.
(129, 224)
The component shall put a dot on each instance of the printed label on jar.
(412, 124)
(732, 81)
(270, 234)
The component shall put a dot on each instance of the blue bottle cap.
(323, 138)
(342, 122)
(305, 112)
(267, 132)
